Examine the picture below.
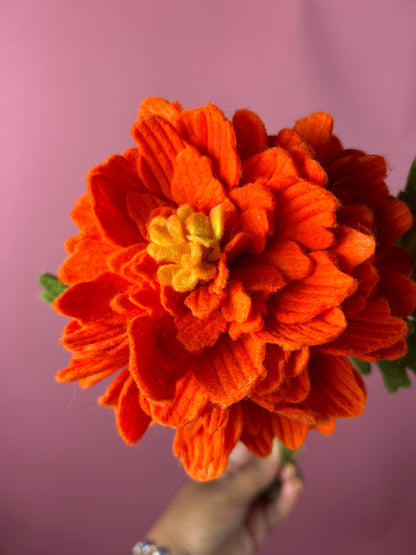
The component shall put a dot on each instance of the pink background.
(73, 75)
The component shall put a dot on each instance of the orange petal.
(397, 258)
(159, 145)
(213, 135)
(318, 331)
(337, 389)
(231, 370)
(275, 362)
(237, 304)
(188, 403)
(170, 111)
(289, 259)
(91, 300)
(83, 215)
(399, 291)
(325, 288)
(140, 207)
(87, 261)
(202, 302)
(259, 277)
(393, 219)
(132, 421)
(109, 185)
(255, 223)
(304, 213)
(352, 247)
(275, 164)
(292, 433)
(370, 330)
(251, 133)
(254, 195)
(193, 182)
(111, 396)
(196, 333)
(257, 434)
(205, 455)
(96, 339)
(361, 176)
(316, 130)
(157, 359)
(81, 368)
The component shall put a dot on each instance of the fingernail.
(289, 471)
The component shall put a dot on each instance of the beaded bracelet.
(149, 548)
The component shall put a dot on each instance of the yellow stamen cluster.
(189, 243)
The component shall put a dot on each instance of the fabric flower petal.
(213, 135)
(251, 133)
(132, 421)
(159, 144)
(193, 182)
(231, 371)
(205, 455)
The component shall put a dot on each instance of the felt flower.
(222, 276)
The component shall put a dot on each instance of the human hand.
(230, 515)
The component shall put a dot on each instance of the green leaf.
(394, 375)
(53, 287)
(363, 366)
(411, 179)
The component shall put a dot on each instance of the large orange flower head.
(223, 276)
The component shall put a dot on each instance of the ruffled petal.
(169, 111)
(87, 261)
(337, 389)
(399, 291)
(325, 288)
(292, 433)
(193, 182)
(91, 300)
(111, 396)
(188, 403)
(305, 213)
(157, 358)
(257, 434)
(318, 331)
(109, 184)
(159, 145)
(372, 329)
(202, 302)
(197, 333)
(213, 135)
(352, 247)
(275, 164)
(316, 130)
(132, 421)
(251, 133)
(205, 455)
(237, 304)
(231, 370)
(289, 259)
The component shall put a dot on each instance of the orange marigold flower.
(226, 275)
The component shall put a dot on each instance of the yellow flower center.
(188, 243)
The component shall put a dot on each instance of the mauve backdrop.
(73, 75)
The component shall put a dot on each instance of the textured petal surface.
(232, 370)
(211, 133)
(204, 454)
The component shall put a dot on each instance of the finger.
(264, 516)
(254, 474)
